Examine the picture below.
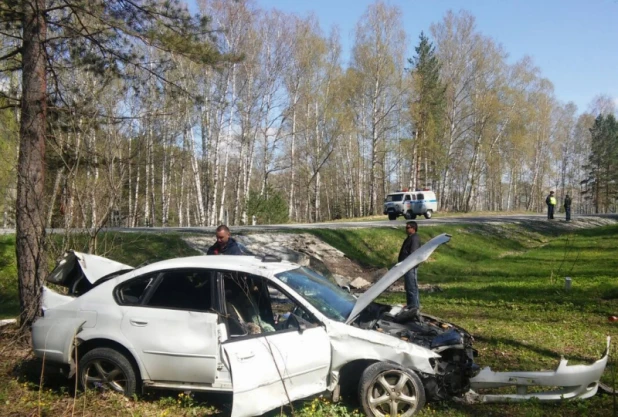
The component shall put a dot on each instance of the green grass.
(9, 302)
(504, 283)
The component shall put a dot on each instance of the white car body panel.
(174, 345)
(272, 370)
(371, 344)
(576, 381)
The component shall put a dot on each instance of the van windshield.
(394, 197)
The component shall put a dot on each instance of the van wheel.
(389, 390)
(392, 216)
(428, 214)
(408, 215)
(107, 369)
(412, 216)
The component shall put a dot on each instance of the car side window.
(407, 197)
(255, 306)
(182, 290)
(133, 291)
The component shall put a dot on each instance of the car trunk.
(80, 272)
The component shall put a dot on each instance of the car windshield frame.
(329, 299)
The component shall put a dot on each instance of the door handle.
(245, 356)
(138, 322)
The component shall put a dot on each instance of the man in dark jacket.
(567, 207)
(551, 205)
(225, 245)
(412, 243)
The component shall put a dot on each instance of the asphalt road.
(341, 225)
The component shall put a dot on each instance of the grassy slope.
(503, 283)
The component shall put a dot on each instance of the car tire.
(408, 215)
(428, 214)
(392, 216)
(384, 386)
(106, 369)
(412, 216)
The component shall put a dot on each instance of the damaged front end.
(454, 367)
(453, 372)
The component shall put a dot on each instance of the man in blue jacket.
(224, 245)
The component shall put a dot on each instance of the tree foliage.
(268, 208)
(603, 162)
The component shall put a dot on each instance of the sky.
(573, 42)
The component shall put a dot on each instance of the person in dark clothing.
(567, 207)
(225, 245)
(412, 243)
(551, 205)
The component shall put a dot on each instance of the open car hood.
(416, 258)
(75, 265)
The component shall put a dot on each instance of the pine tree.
(427, 106)
(603, 161)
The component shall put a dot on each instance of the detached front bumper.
(566, 382)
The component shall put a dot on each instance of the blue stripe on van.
(426, 201)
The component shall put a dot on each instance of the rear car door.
(170, 324)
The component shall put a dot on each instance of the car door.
(289, 360)
(171, 326)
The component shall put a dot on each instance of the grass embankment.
(504, 283)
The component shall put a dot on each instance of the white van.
(410, 204)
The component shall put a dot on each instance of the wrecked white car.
(270, 332)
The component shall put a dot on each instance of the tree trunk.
(30, 221)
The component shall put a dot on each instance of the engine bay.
(456, 366)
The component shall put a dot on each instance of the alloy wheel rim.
(392, 393)
(104, 375)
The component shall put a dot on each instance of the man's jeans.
(550, 211)
(411, 286)
(567, 210)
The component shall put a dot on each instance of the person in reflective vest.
(551, 205)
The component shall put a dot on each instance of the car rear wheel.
(428, 214)
(388, 390)
(106, 369)
(392, 216)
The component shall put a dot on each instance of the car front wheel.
(428, 214)
(389, 390)
(106, 369)
(392, 216)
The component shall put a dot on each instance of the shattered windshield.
(332, 301)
